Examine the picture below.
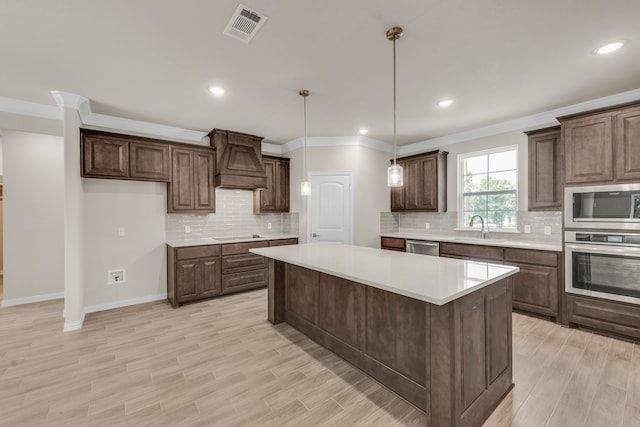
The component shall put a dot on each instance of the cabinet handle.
(315, 235)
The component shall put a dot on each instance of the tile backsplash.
(445, 223)
(234, 217)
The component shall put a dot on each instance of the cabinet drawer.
(529, 256)
(242, 248)
(392, 243)
(616, 317)
(197, 252)
(242, 262)
(244, 280)
(475, 252)
(283, 242)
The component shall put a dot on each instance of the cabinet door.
(149, 161)
(588, 149)
(545, 171)
(210, 284)
(105, 157)
(428, 170)
(181, 196)
(535, 289)
(413, 184)
(628, 144)
(268, 195)
(187, 280)
(204, 192)
(282, 186)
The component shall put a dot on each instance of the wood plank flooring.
(220, 363)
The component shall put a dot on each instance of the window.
(488, 186)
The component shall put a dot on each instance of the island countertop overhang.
(431, 279)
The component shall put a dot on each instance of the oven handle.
(604, 249)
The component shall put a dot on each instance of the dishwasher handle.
(422, 243)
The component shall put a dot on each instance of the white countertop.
(426, 278)
(497, 241)
(214, 241)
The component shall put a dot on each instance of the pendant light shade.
(395, 174)
(305, 186)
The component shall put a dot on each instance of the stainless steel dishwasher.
(423, 247)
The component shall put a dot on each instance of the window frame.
(460, 176)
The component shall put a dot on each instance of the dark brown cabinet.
(238, 160)
(536, 287)
(545, 169)
(242, 270)
(602, 146)
(275, 197)
(193, 273)
(115, 156)
(425, 184)
(393, 244)
(614, 317)
(191, 188)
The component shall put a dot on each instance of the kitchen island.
(436, 331)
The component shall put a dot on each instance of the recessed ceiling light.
(445, 103)
(217, 91)
(363, 131)
(609, 47)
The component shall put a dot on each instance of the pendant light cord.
(304, 162)
(394, 102)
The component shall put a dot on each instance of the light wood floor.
(220, 363)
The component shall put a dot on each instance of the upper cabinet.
(238, 160)
(191, 188)
(115, 156)
(603, 146)
(425, 184)
(275, 197)
(545, 169)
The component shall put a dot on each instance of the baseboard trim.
(73, 326)
(124, 303)
(29, 300)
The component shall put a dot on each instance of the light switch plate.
(427, 226)
(120, 231)
(527, 229)
(187, 229)
(547, 230)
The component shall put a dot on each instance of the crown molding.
(25, 108)
(547, 118)
(68, 100)
(338, 141)
(271, 148)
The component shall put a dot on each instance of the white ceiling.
(153, 60)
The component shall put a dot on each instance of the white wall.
(1, 154)
(33, 170)
(139, 208)
(370, 191)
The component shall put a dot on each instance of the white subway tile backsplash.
(234, 217)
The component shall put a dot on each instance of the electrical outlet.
(427, 226)
(115, 277)
(527, 229)
(547, 230)
(120, 231)
(187, 229)
(269, 226)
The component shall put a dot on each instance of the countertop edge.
(211, 241)
(505, 243)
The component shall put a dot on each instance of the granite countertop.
(504, 242)
(431, 279)
(223, 240)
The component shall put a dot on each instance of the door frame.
(309, 209)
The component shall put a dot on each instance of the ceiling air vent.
(244, 24)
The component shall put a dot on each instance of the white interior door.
(330, 208)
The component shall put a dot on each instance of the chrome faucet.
(483, 232)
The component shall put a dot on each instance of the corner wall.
(33, 169)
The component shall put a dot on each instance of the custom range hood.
(238, 160)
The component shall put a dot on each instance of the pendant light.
(305, 186)
(394, 172)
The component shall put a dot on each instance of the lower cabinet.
(614, 317)
(193, 273)
(393, 244)
(199, 272)
(536, 286)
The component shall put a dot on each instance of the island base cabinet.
(454, 361)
